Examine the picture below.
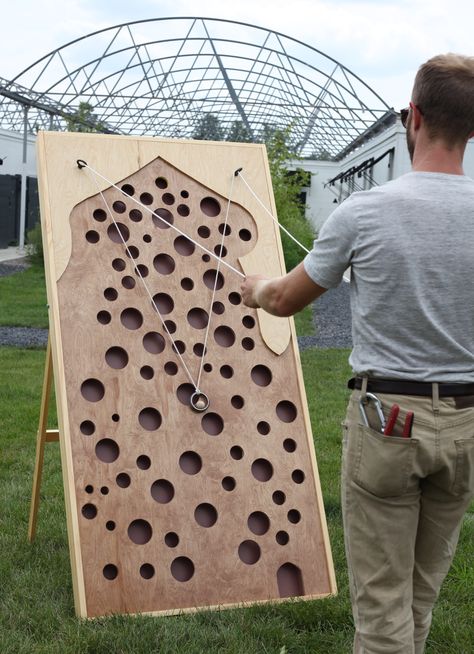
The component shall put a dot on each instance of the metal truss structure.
(167, 76)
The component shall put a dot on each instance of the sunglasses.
(404, 114)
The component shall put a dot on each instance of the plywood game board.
(171, 508)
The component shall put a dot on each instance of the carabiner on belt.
(370, 397)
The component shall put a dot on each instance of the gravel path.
(331, 314)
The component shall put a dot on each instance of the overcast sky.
(381, 41)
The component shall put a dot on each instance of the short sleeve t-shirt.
(410, 245)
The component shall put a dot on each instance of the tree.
(208, 128)
(84, 120)
(239, 133)
(287, 187)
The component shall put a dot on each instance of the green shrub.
(34, 245)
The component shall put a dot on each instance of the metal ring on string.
(199, 401)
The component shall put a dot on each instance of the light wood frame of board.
(171, 509)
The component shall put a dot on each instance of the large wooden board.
(172, 509)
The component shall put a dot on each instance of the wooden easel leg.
(43, 436)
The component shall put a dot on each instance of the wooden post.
(44, 435)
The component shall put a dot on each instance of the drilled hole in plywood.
(204, 232)
(110, 294)
(110, 571)
(92, 390)
(104, 317)
(131, 318)
(282, 538)
(132, 252)
(116, 357)
(228, 483)
(168, 198)
(289, 445)
(141, 270)
(262, 469)
(115, 417)
(183, 210)
(249, 552)
(143, 462)
(182, 568)
(184, 392)
(118, 232)
(87, 427)
(147, 571)
(224, 229)
(248, 322)
(184, 194)
(220, 251)
(206, 258)
(235, 298)
(162, 218)
(104, 490)
(198, 318)
(135, 215)
(163, 302)
(89, 511)
(92, 236)
(286, 411)
(205, 515)
(123, 480)
(171, 539)
(207, 367)
(263, 428)
(161, 182)
(110, 525)
(119, 207)
(212, 278)
(298, 476)
(128, 282)
(100, 215)
(164, 264)
(199, 349)
(154, 343)
(146, 198)
(171, 368)
(179, 347)
(118, 264)
(210, 207)
(107, 450)
(187, 284)
(184, 246)
(237, 401)
(147, 372)
(294, 516)
(245, 235)
(190, 462)
(236, 452)
(248, 344)
(224, 336)
(140, 531)
(212, 424)
(258, 523)
(218, 308)
(89, 489)
(150, 418)
(128, 189)
(279, 497)
(261, 375)
(170, 326)
(162, 491)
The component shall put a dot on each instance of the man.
(410, 245)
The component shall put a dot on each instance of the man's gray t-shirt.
(410, 245)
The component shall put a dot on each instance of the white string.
(138, 271)
(224, 231)
(84, 164)
(238, 172)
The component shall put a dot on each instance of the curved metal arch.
(238, 71)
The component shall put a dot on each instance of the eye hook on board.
(199, 401)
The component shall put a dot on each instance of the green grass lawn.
(23, 299)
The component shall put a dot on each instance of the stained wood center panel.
(179, 509)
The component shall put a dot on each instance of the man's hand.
(249, 288)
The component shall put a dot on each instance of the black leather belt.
(399, 387)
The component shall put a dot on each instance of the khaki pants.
(403, 500)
